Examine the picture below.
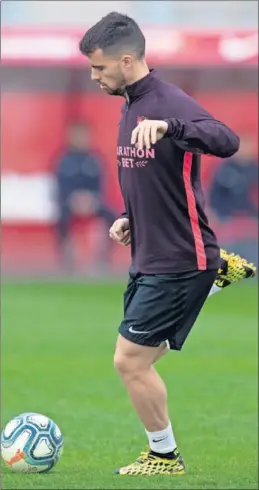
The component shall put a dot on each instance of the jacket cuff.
(174, 128)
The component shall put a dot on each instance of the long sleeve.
(196, 128)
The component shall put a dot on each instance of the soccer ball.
(31, 443)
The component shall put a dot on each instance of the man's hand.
(147, 133)
(119, 231)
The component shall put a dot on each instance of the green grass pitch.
(57, 359)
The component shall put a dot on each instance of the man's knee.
(127, 365)
(131, 359)
(120, 363)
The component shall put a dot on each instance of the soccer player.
(175, 256)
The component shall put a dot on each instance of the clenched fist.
(120, 232)
(147, 133)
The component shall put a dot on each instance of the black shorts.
(164, 306)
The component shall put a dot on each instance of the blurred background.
(59, 177)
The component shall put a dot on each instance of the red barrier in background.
(165, 45)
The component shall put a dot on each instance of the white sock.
(214, 289)
(162, 441)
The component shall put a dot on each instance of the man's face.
(110, 72)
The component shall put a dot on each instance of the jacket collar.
(142, 86)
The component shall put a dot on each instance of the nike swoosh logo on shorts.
(131, 330)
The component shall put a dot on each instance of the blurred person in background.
(80, 178)
(235, 183)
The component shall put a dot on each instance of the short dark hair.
(113, 33)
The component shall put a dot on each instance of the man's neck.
(140, 72)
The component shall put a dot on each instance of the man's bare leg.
(147, 391)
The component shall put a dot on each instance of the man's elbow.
(230, 145)
(234, 143)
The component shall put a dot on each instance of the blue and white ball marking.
(31, 443)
